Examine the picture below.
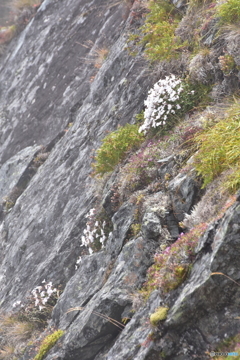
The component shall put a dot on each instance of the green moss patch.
(48, 343)
(159, 315)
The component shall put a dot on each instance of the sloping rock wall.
(46, 85)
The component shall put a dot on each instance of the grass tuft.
(219, 151)
(229, 12)
(159, 31)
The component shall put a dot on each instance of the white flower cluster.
(42, 293)
(93, 232)
(162, 101)
(17, 303)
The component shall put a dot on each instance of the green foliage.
(140, 117)
(172, 265)
(219, 151)
(48, 343)
(194, 95)
(159, 315)
(229, 12)
(115, 147)
(159, 31)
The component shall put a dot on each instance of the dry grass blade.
(112, 321)
(101, 55)
(219, 273)
(7, 352)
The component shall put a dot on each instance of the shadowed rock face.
(52, 76)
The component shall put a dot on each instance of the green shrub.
(115, 147)
(229, 12)
(48, 343)
(159, 31)
(219, 151)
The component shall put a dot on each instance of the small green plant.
(229, 12)
(140, 117)
(227, 64)
(48, 343)
(159, 315)
(115, 148)
(159, 31)
(219, 151)
(135, 229)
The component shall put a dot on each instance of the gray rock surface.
(47, 223)
(121, 220)
(13, 170)
(87, 331)
(151, 225)
(136, 340)
(184, 191)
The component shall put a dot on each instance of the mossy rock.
(159, 315)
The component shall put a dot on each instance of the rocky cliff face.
(65, 82)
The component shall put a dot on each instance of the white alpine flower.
(162, 101)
